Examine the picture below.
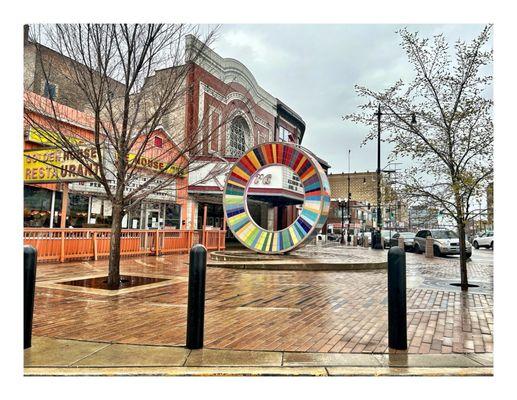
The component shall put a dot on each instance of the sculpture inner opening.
(274, 197)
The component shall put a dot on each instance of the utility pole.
(379, 213)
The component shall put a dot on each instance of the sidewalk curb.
(257, 371)
(65, 357)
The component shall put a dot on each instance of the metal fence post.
(29, 287)
(397, 312)
(196, 297)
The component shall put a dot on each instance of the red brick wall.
(197, 75)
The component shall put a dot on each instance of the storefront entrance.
(153, 219)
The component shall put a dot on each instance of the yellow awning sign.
(56, 165)
(48, 138)
(155, 165)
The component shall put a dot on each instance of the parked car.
(362, 235)
(386, 236)
(333, 237)
(445, 242)
(409, 238)
(486, 239)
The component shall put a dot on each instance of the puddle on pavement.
(101, 282)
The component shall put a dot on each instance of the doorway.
(153, 219)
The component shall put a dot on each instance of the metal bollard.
(196, 297)
(377, 241)
(397, 311)
(29, 287)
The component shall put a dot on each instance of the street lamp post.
(378, 114)
(377, 244)
(342, 205)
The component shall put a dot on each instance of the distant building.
(363, 186)
(363, 191)
(361, 217)
(422, 217)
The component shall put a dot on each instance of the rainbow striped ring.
(315, 206)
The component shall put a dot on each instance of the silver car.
(408, 237)
(445, 242)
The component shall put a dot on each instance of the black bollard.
(29, 287)
(196, 297)
(397, 313)
(377, 240)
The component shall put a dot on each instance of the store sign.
(158, 192)
(264, 179)
(155, 165)
(56, 165)
(48, 138)
(277, 177)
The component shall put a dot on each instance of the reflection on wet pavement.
(304, 311)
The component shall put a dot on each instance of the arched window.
(239, 130)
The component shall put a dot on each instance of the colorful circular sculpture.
(315, 206)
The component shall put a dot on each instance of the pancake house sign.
(57, 165)
(155, 165)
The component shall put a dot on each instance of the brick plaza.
(299, 311)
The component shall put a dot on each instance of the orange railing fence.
(73, 244)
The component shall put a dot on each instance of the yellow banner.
(56, 165)
(154, 165)
(48, 138)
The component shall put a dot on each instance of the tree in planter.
(132, 79)
(450, 146)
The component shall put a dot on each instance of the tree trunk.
(114, 256)
(463, 256)
(460, 223)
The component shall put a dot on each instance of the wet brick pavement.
(303, 311)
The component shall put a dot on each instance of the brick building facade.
(47, 76)
(223, 107)
(363, 193)
(224, 94)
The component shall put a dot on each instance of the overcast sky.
(313, 69)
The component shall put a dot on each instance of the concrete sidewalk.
(60, 357)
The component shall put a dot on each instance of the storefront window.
(36, 207)
(173, 216)
(77, 215)
(214, 216)
(100, 213)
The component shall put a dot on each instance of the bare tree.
(133, 77)
(450, 146)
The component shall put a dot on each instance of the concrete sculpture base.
(310, 258)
